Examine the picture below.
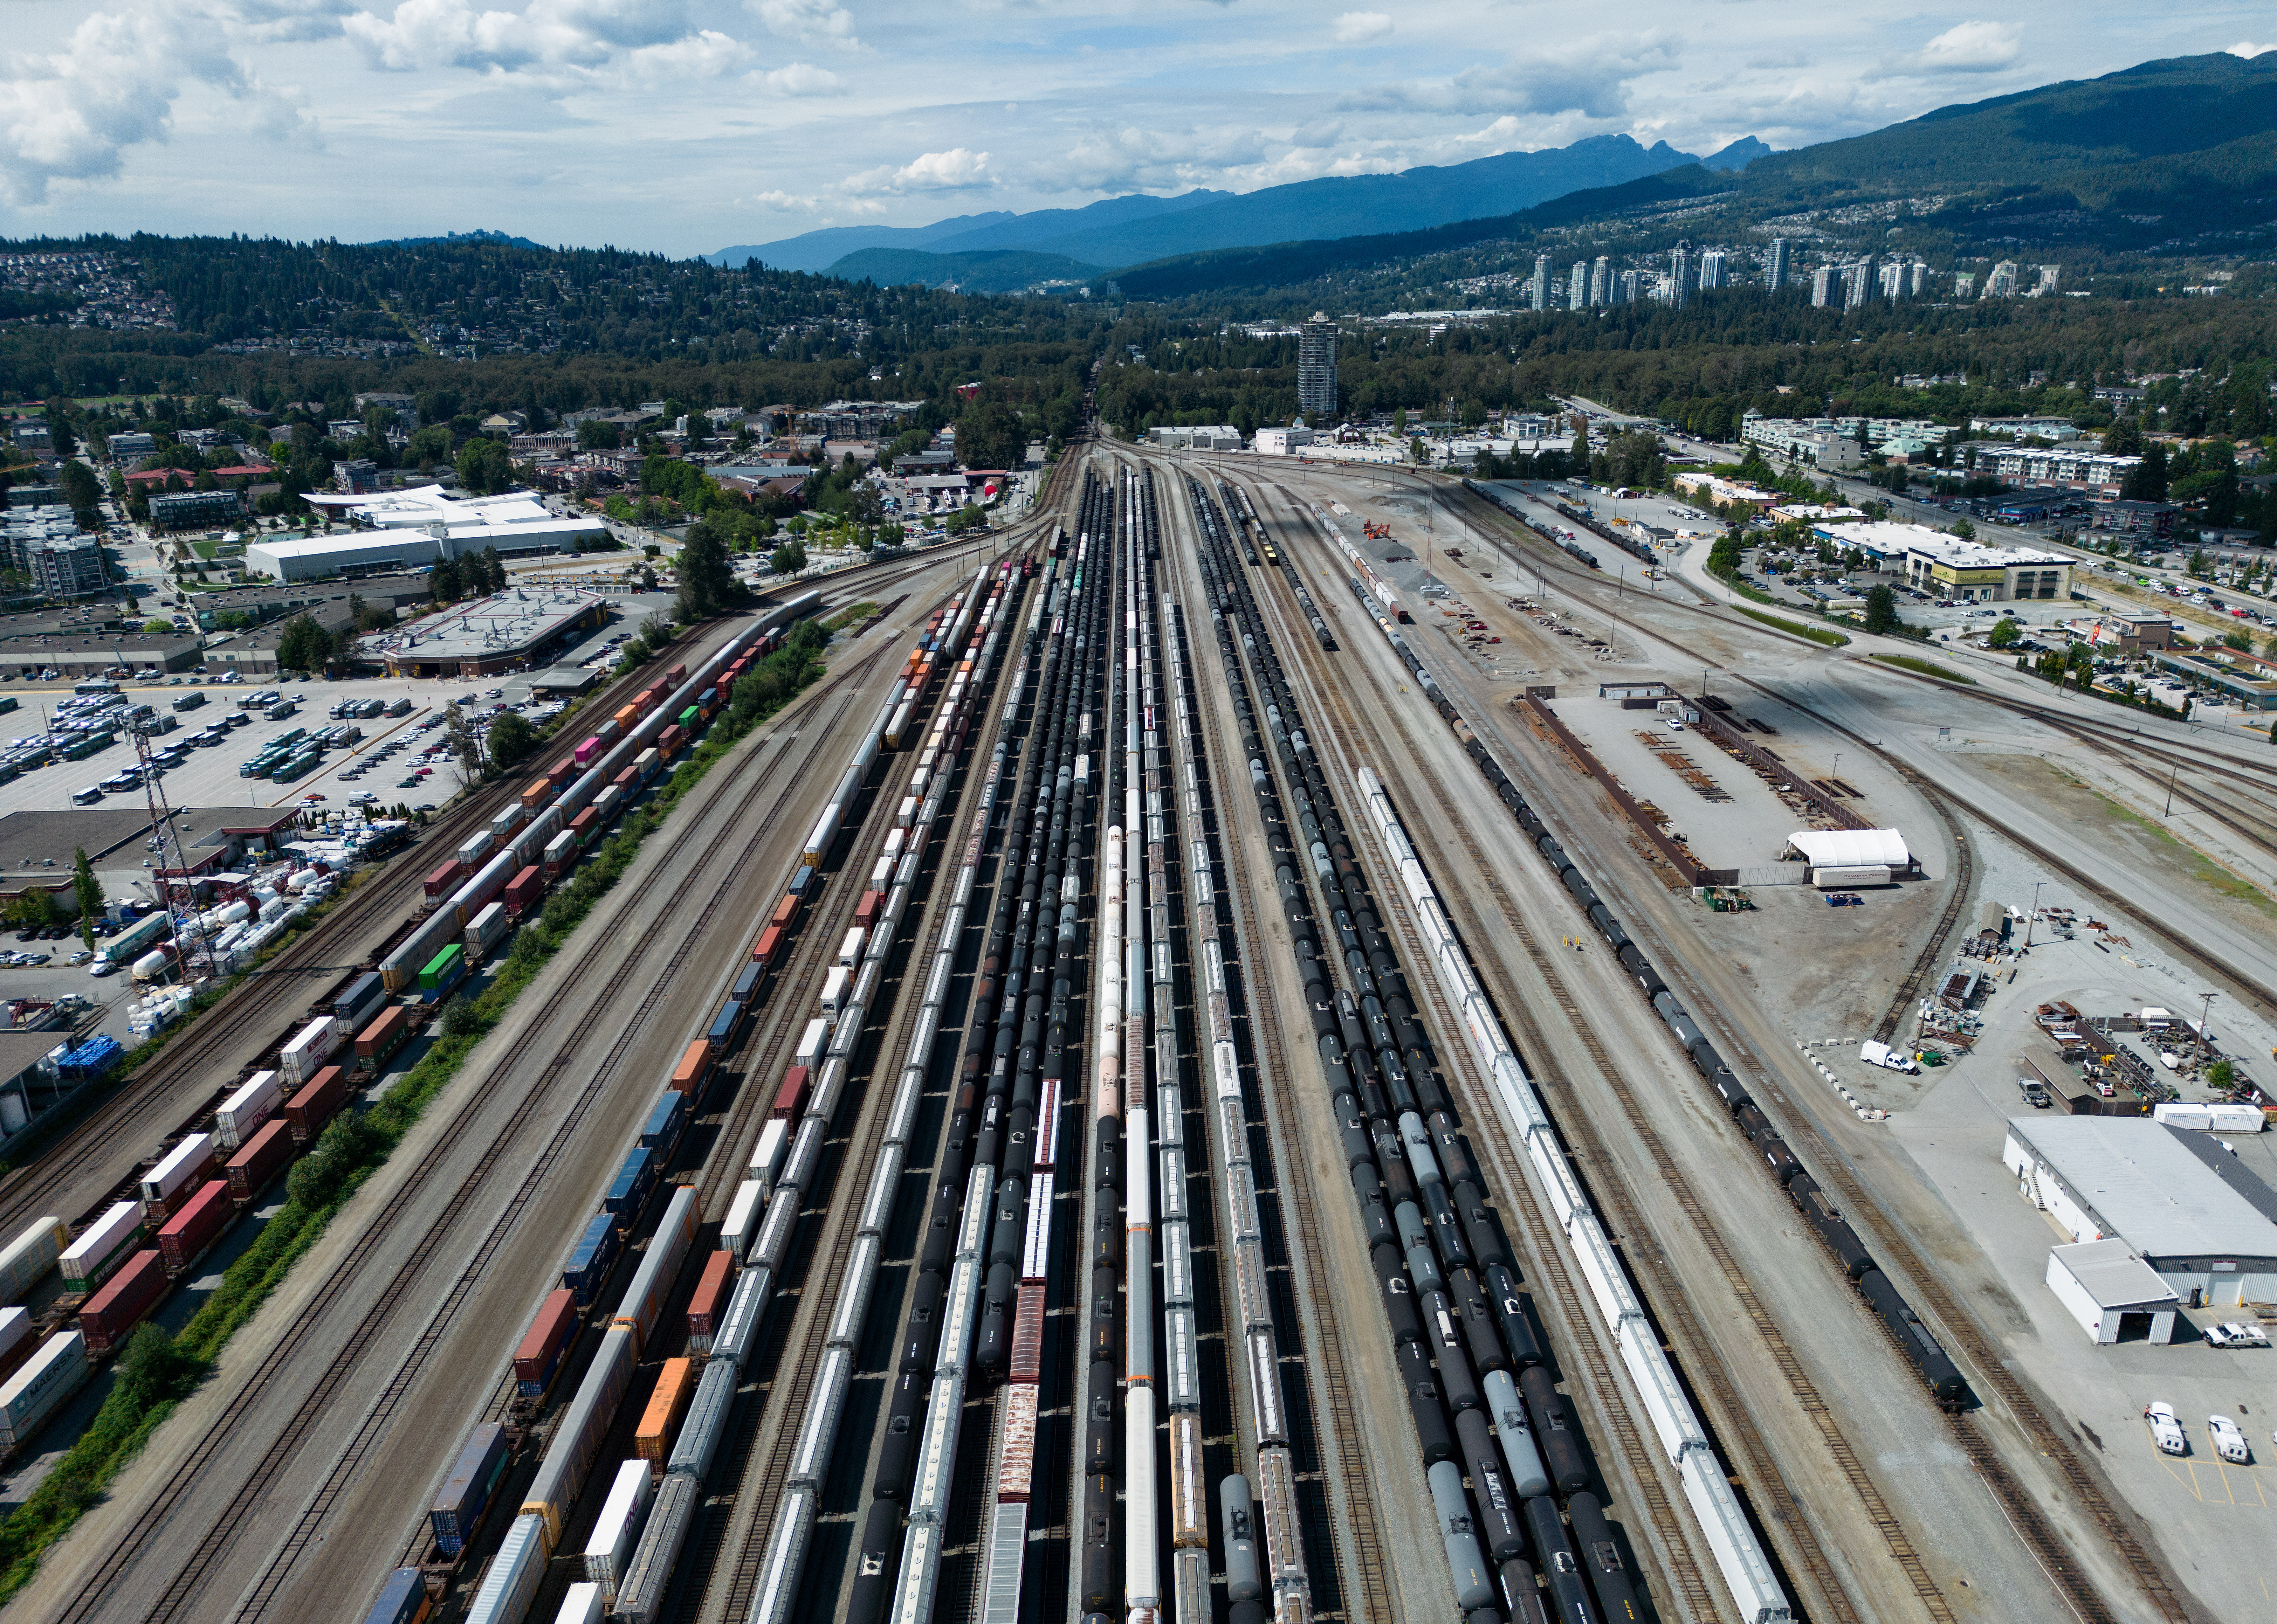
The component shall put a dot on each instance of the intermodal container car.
(442, 973)
(261, 1159)
(669, 742)
(444, 879)
(747, 984)
(695, 1067)
(486, 930)
(769, 945)
(307, 1112)
(677, 675)
(561, 771)
(725, 1024)
(538, 1359)
(647, 763)
(629, 1191)
(122, 1304)
(661, 1132)
(30, 1254)
(742, 1224)
(101, 1247)
(709, 1301)
(250, 1104)
(458, 1510)
(196, 1226)
(585, 825)
(790, 1098)
(616, 1531)
(56, 1370)
(360, 1003)
(524, 891)
(402, 1600)
(182, 1169)
(589, 1260)
(786, 911)
(675, 1385)
(377, 1042)
(536, 797)
(627, 783)
(561, 852)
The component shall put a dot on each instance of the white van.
(1887, 1057)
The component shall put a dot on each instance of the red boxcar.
(695, 1065)
(193, 1229)
(791, 1099)
(121, 1304)
(709, 1301)
(561, 771)
(538, 1359)
(669, 742)
(583, 824)
(260, 1159)
(770, 942)
(523, 891)
(307, 1112)
(445, 879)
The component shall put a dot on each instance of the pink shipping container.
(189, 1232)
(121, 1305)
(587, 751)
(261, 1160)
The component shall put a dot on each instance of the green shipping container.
(690, 717)
(7, 704)
(440, 967)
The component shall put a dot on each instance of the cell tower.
(173, 873)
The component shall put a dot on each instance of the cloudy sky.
(685, 125)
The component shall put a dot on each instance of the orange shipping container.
(786, 911)
(627, 715)
(534, 798)
(694, 1067)
(769, 943)
(675, 1385)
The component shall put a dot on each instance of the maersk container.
(834, 985)
(355, 1007)
(675, 1385)
(402, 1600)
(661, 1132)
(618, 1527)
(584, 1426)
(510, 1584)
(55, 1371)
(30, 1254)
(443, 972)
(561, 852)
(524, 891)
(253, 1103)
(488, 928)
(538, 1358)
(466, 1493)
(629, 1191)
(103, 1246)
(308, 1052)
(123, 1303)
(659, 1266)
(590, 1259)
(196, 1226)
(711, 1300)
(260, 1159)
(186, 1163)
(583, 1602)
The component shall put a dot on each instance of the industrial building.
(2203, 1228)
(1943, 566)
(1207, 437)
(77, 658)
(516, 630)
(2113, 1294)
(1845, 859)
(404, 530)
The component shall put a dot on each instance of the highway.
(1163, 1146)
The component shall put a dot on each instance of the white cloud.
(1354, 27)
(1589, 76)
(290, 20)
(1965, 48)
(958, 170)
(72, 116)
(803, 79)
(566, 40)
(816, 21)
(2249, 49)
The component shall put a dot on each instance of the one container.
(767, 1158)
(121, 1305)
(251, 1104)
(486, 930)
(583, 825)
(675, 1385)
(537, 1360)
(666, 1118)
(709, 1301)
(617, 1528)
(742, 1224)
(311, 1048)
(591, 1259)
(629, 1191)
(561, 852)
(30, 1254)
(790, 1098)
(306, 1114)
(671, 740)
(55, 1371)
(786, 911)
(642, 1307)
(101, 1247)
(261, 1159)
(866, 911)
(360, 1003)
(725, 1024)
(444, 879)
(811, 1042)
(769, 945)
(835, 986)
(446, 970)
(535, 798)
(181, 1170)
(377, 1042)
(747, 983)
(588, 752)
(646, 763)
(849, 951)
(523, 891)
(466, 1493)
(402, 1600)
(196, 1226)
(695, 1067)
(477, 849)
(505, 823)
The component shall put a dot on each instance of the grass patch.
(1825, 636)
(1927, 668)
(204, 549)
(156, 1371)
(2202, 867)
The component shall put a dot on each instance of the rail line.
(280, 1455)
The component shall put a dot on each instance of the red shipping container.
(384, 1036)
(786, 911)
(770, 942)
(121, 1304)
(307, 1112)
(626, 781)
(523, 891)
(694, 1067)
(709, 1301)
(260, 1159)
(193, 1229)
(445, 879)
(540, 1353)
(790, 1098)
(865, 911)
(677, 675)
(668, 741)
(583, 823)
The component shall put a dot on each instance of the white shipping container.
(30, 1254)
(618, 1527)
(305, 1056)
(882, 874)
(811, 1042)
(742, 1220)
(906, 813)
(504, 824)
(2184, 1113)
(766, 1160)
(254, 1102)
(582, 1605)
(510, 1584)
(834, 988)
(15, 1328)
(102, 1241)
(486, 929)
(50, 1376)
(186, 1158)
(560, 848)
(2237, 1119)
(478, 847)
(849, 951)
(896, 838)
(607, 804)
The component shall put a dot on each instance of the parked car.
(2229, 1440)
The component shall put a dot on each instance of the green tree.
(484, 466)
(511, 741)
(1882, 610)
(599, 436)
(157, 628)
(446, 582)
(707, 580)
(87, 891)
(304, 645)
(990, 436)
(789, 559)
(2123, 438)
(1965, 530)
(2079, 663)
(2005, 633)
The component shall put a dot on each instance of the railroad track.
(181, 1590)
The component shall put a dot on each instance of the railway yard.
(1260, 1046)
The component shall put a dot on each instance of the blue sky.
(684, 125)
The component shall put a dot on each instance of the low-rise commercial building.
(1206, 437)
(130, 444)
(2078, 467)
(186, 509)
(518, 629)
(404, 530)
(1943, 565)
(2113, 1294)
(2242, 679)
(1720, 493)
(77, 658)
(1281, 442)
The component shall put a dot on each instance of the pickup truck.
(1890, 1059)
(2036, 1096)
(2236, 1333)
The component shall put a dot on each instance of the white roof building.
(2111, 1293)
(1853, 848)
(401, 529)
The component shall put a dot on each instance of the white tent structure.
(1842, 857)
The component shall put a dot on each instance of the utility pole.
(2030, 917)
(2205, 1019)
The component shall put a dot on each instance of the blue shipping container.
(800, 877)
(628, 1192)
(402, 1600)
(458, 1510)
(725, 1024)
(664, 1123)
(590, 1259)
(747, 984)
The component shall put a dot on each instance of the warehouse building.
(1845, 859)
(410, 529)
(516, 630)
(2113, 1294)
(2203, 1229)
